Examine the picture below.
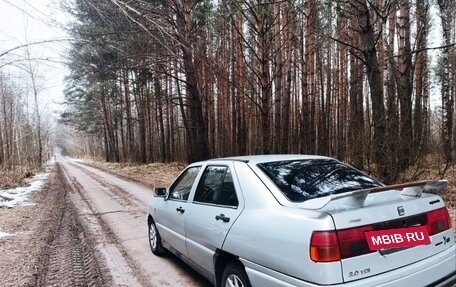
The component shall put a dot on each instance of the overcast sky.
(24, 21)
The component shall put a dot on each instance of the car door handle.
(222, 217)
(180, 210)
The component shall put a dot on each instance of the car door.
(172, 218)
(216, 204)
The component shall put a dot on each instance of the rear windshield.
(300, 180)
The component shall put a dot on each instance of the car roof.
(254, 159)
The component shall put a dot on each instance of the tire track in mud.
(115, 211)
(122, 196)
(114, 260)
(133, 190)
(70, 260)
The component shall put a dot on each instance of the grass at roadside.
(152, 175)
(431, 167)
(14, 178)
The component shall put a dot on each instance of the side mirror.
(160, 191)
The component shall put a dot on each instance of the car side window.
(216, 187)
(180, 190)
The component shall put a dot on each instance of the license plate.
(397, 238)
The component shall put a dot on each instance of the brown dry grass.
(432, 167)
(14, 178)
(152, 175)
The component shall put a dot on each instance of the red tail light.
(328, 246)
(438, 220)
(324, 246)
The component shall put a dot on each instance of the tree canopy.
(175, 80)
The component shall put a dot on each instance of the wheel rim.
(153, 236)
(233, 281)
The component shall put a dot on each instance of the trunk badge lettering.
(354, 220)
(400, 210)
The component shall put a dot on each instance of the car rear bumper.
(436, 271)
(448, 281)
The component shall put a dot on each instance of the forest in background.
(181, 80)
(25, 128)
(25, 132)
(177, 80)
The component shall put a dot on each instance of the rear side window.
(301, 180)
(216, 187)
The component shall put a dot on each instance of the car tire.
(155, 242)
(234, 275)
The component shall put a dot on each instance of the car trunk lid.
(384, 208)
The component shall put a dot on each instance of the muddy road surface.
(112, 214)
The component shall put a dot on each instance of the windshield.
(301, 180)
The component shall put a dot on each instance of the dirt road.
(86, 227)
(112, 212)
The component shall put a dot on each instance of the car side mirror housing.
(160, 192)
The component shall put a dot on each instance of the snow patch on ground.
(4, 234)
(20, 196)
(74, 159)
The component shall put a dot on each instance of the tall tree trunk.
(422, 8)
(112, 154)
(308, 80)
(279, 74)
(357, 138)
(404, 85)
(180, 97)
(128, 119)
(198, 127)
(368, 40)
(240, 75)
(37, 108)
(140, 110)
(447, 101)
(123, 145)
(158, 96)
(264, 80)
(392, 113)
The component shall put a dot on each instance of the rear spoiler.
(358, 197)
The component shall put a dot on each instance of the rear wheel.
(234, 276)
(155, 240)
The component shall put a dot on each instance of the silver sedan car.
(297, 220)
